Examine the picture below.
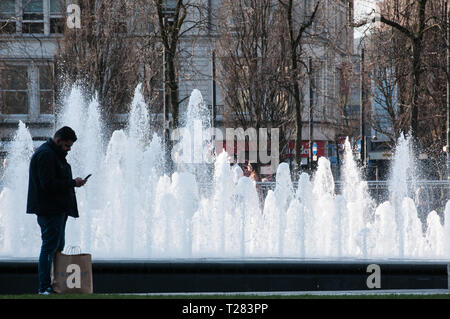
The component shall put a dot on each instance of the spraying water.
(131, 209)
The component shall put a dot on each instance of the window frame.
(33, 91)
(10, 19)
(18, 64)
(31, 21)
(52, 15)
(51, 89)
(46, 20)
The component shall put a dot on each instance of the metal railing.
(428, 194)
(374, 184)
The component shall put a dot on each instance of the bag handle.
(74, 250)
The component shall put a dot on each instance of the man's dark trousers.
(53, 240)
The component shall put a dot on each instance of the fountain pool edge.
(19, 276)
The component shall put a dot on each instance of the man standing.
(51, 196)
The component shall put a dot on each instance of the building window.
(33, 16)
(14, 90)
(46, 89)
(26, 89)
(7, 16)
(169, 6)
(56, 16)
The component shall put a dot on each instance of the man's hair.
(66, 134)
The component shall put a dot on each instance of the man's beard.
(63, 152)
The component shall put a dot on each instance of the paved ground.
(391, 294)
(313, 293)
(444, 292)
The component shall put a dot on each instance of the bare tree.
(303, 33)
(103, 55)
(388, 116)
(412, 20)
(176, 19)
(254, 65)
(17, 60)
(408, 69)
(296, 33)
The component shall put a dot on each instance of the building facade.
(29, 40)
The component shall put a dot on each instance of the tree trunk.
(173, 91)
(414, 120)
(298, 132)
(295, 48)
(296, 93)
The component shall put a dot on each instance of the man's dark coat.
(51, 186)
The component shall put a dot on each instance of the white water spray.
(130, 209)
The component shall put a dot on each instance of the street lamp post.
(214, 89)
(168, 20)
(448, 89)
(166, 133)
(311, 119)
(362, 110)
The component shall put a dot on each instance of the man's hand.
(79, 182)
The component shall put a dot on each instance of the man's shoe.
(48, 291)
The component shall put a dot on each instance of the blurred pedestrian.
(254, 175)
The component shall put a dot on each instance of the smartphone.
(87, 177)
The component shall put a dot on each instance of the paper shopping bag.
(72, 274)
